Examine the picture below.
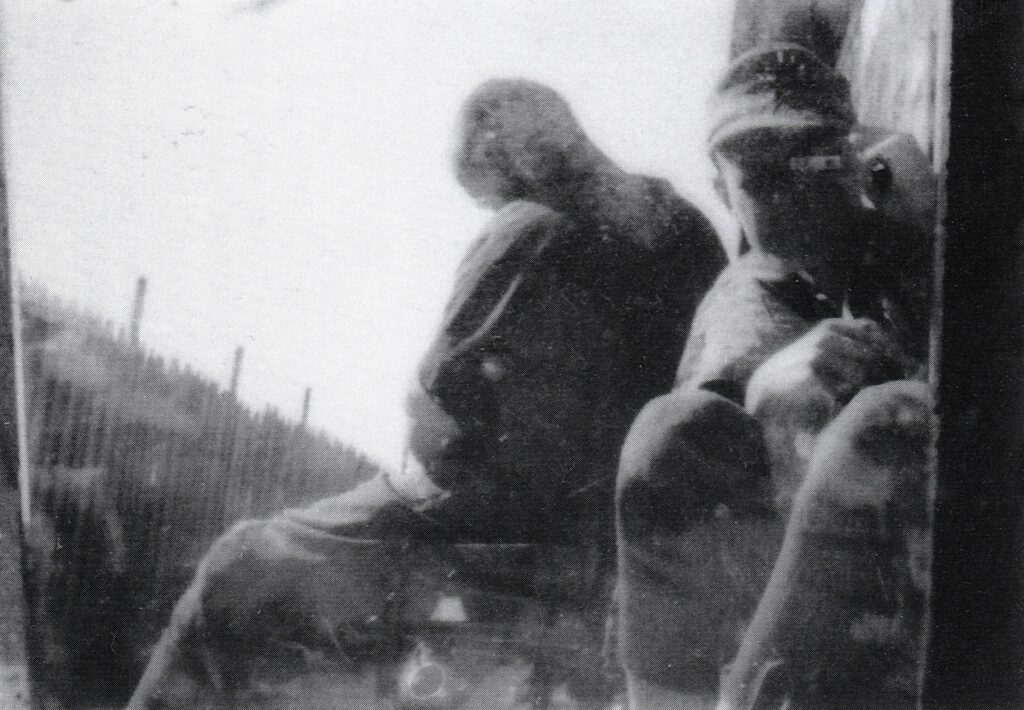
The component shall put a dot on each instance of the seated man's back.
(569, 312)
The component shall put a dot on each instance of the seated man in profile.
(796, 422)
(569, 312)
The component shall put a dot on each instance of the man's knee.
(233, 581)
(879, 449)
(891, 421)
(692, 469)
(209, 617)
(686, 454)
(239, 542)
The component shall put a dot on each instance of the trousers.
(341, 588)
(720, 585)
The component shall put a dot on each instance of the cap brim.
(791, 122)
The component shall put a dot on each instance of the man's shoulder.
(742, 321)
(739, 299)
(672, 222)
(513, 226)
(522, 214)
(734, 289)
(521, 217)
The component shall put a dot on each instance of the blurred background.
(279, 171)
(234, 226)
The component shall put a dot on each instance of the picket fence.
(165, 455)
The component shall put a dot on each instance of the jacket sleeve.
(738, 326)
(453, 397)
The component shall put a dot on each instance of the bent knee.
(878, 451)
(673, 426)
(890, 424)
(249, 569)
(907, 401)
(688, 452)
(252, 558)
(242, 541)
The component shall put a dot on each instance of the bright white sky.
(281, 174)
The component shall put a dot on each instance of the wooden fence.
(150, 461)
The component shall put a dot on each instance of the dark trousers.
(696, 538)
(822, 602)
(340, 588)
(304, 583)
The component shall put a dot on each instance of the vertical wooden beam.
(15, 488)
(975, 658)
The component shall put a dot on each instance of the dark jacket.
(754, 310)
(557, 332)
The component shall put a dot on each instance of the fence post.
(137, 306)
(305, 408)
(236, 371)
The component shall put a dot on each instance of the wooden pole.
(15, 482)
(236, 371)
(975, 654)
(137, 307)
(305, 408)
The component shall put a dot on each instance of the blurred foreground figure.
(75, 558)
(569, 312)
(796, 424)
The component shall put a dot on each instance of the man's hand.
(837, 357)
(800, 389)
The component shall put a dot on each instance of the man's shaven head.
(518, 139)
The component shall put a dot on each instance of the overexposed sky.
(279, 170)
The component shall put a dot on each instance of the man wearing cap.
(762, 500)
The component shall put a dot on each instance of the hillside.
(137, 465)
